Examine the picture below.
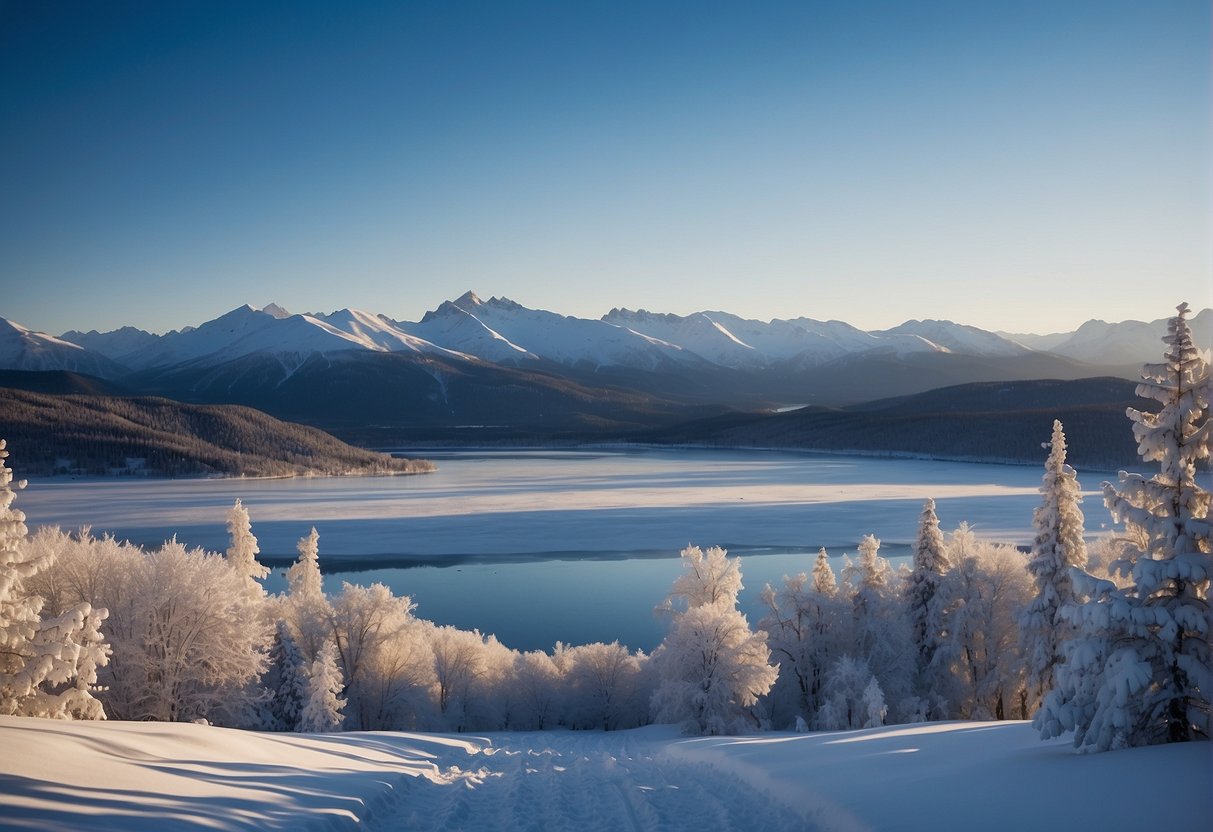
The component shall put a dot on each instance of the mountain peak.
(275, 310)
(468, 298)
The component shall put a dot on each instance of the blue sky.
(1022, 166)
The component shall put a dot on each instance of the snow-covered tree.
(1057, 547)
(323, 704)
(712, 668)
(603, 686)
(305, 607)
(534, 692)
(806, 626)
(48, 665)
(286, 680)
(853, 697)
(987, 590)
(925, 605)
(880, 632)
(388, 664)
(1140, 669)
(242, 554)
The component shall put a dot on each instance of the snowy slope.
(1129, 342)
(118, 344)
(455, 328)
(990, 776)
(24, 349)
(968, 340)
(567, 340)
(698, 333)
(377, 333)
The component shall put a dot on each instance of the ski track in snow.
(578, 781)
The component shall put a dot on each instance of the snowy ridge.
(959, 338)
(501, 331)
(23, 349)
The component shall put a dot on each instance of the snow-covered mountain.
(1127, 341)
(117, 345)
(501, 331)
(24, 349)
(967, 340)
(273, 331)
(564, 340)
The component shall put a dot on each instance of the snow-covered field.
(988, 776)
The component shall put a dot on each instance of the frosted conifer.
(1057, 547)
(323, 706)
(242, 554)
(924, 601)
(1140, 669)
(48, 667)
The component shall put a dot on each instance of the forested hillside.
(91, 434)
(996, 421)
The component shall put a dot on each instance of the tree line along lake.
(540, 546)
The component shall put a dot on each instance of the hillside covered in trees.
(989, 421)
(95, 434)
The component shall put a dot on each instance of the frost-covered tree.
(305, 607)
(48, 665)
(242, 554)
(806, 625)
(323, 704)
(534, 692)
(1057, 547)
(604, 686)
(1140, 669)
(924, 603)
(987, 590)
(286, 680)
(712, 668)
(853, 697)
(880, 631)
(388, 664)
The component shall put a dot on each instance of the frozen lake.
(577, 546)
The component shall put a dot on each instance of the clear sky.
(1014, 165)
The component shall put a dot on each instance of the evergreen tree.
(1057, 547)
(1140, 669)
(924, 602)
(323, 705)
(287, 681)
(242, 554)
(305, 607)
(48, 667)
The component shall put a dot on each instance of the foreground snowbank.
(153, 776)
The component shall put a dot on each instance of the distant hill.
(993, 421)
(60, 382)
(97, 434)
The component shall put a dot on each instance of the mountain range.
(497, 365)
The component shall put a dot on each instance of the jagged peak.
(468, 298)
(275, 310)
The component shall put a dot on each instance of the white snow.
(991, 776)
(959, 338)
(22, 348)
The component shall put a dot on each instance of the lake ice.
(576, 546)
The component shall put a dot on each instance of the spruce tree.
(923, 599)
(1057, 547)
(48, 667)
(323, 706)
(1140, 669)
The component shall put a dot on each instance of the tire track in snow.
(588, 782)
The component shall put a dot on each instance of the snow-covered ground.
(989, 776)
